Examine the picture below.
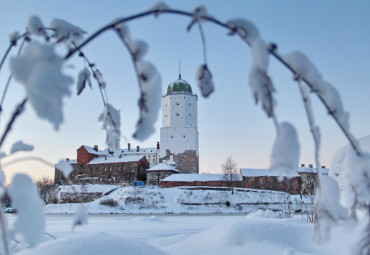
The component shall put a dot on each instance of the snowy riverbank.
(184, 200)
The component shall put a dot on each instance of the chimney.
(303, 165)
(96, 148)
(310, 166)
(129, 146)
(67, 159)
(137, 148)
(157, 145)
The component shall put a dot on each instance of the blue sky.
(335, 35)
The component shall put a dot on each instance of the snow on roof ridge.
(91, 150)
(198, 177)
(114, 159)
(163, 167)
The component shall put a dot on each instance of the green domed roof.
(179, 85)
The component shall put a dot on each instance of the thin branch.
(313, 128)
(10, 78)
(272, 51)
(19, 109)
(11, 45)
(203, 42)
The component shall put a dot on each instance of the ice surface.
(64, 167)
(150, 101)
(30, 222)
(35, 26)
(285, 152)
(205, 83)
(38, 69)
(245, 29)
(66, 32)
(112, 124)
(20, 146)
(83, 79)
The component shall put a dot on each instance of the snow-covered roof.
(249, 172)
(94, 152)
(162, 167)
(305, 169)
(113, 159)
(141, 150)
(72, 161)
(199, 177)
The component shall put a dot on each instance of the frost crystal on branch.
(20, 146)
(35, 26)
(149, 102)
(30, 222)
(83, 79)
(160, 6)
(285, 152)
(306, 70)
(14, 37)
(197, 18)
(328, 209)
(66, 32)
(112, 124)
(64, 167)
(245, 29)
(81, 216)
(205, 83)
(38, 69)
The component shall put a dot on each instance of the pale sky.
(334, 34)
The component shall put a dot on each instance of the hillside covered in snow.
(181, 200)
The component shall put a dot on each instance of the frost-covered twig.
(19, 109)
(346, 132)
(13, 42)
(4, 233)
(315, 131)
(10, 77)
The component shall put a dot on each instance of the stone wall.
(155, 177)
(186, 162)
(292, 186)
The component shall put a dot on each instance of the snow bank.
(93, 244)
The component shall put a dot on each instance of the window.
(177, 104)
(177, 114)
(183, 136)
(189, 104)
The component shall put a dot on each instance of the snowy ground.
(168, 234)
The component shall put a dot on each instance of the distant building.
(95, 166)
(157, 173)
(179, 131)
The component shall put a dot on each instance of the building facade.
(179, 132)
(95, 166)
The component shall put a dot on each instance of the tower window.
(177, 114)
(183, 136)
(171, 136)
(177, 104)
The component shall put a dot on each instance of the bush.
(108, 202)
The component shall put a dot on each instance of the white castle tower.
(179, 132)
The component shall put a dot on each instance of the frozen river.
(199, 234)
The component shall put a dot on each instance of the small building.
(212, 180)
(95, 166)
(156, 173)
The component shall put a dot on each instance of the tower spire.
(179, 69)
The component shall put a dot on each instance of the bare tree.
(230, 170)
(46, 189)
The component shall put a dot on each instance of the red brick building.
(95, 166)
